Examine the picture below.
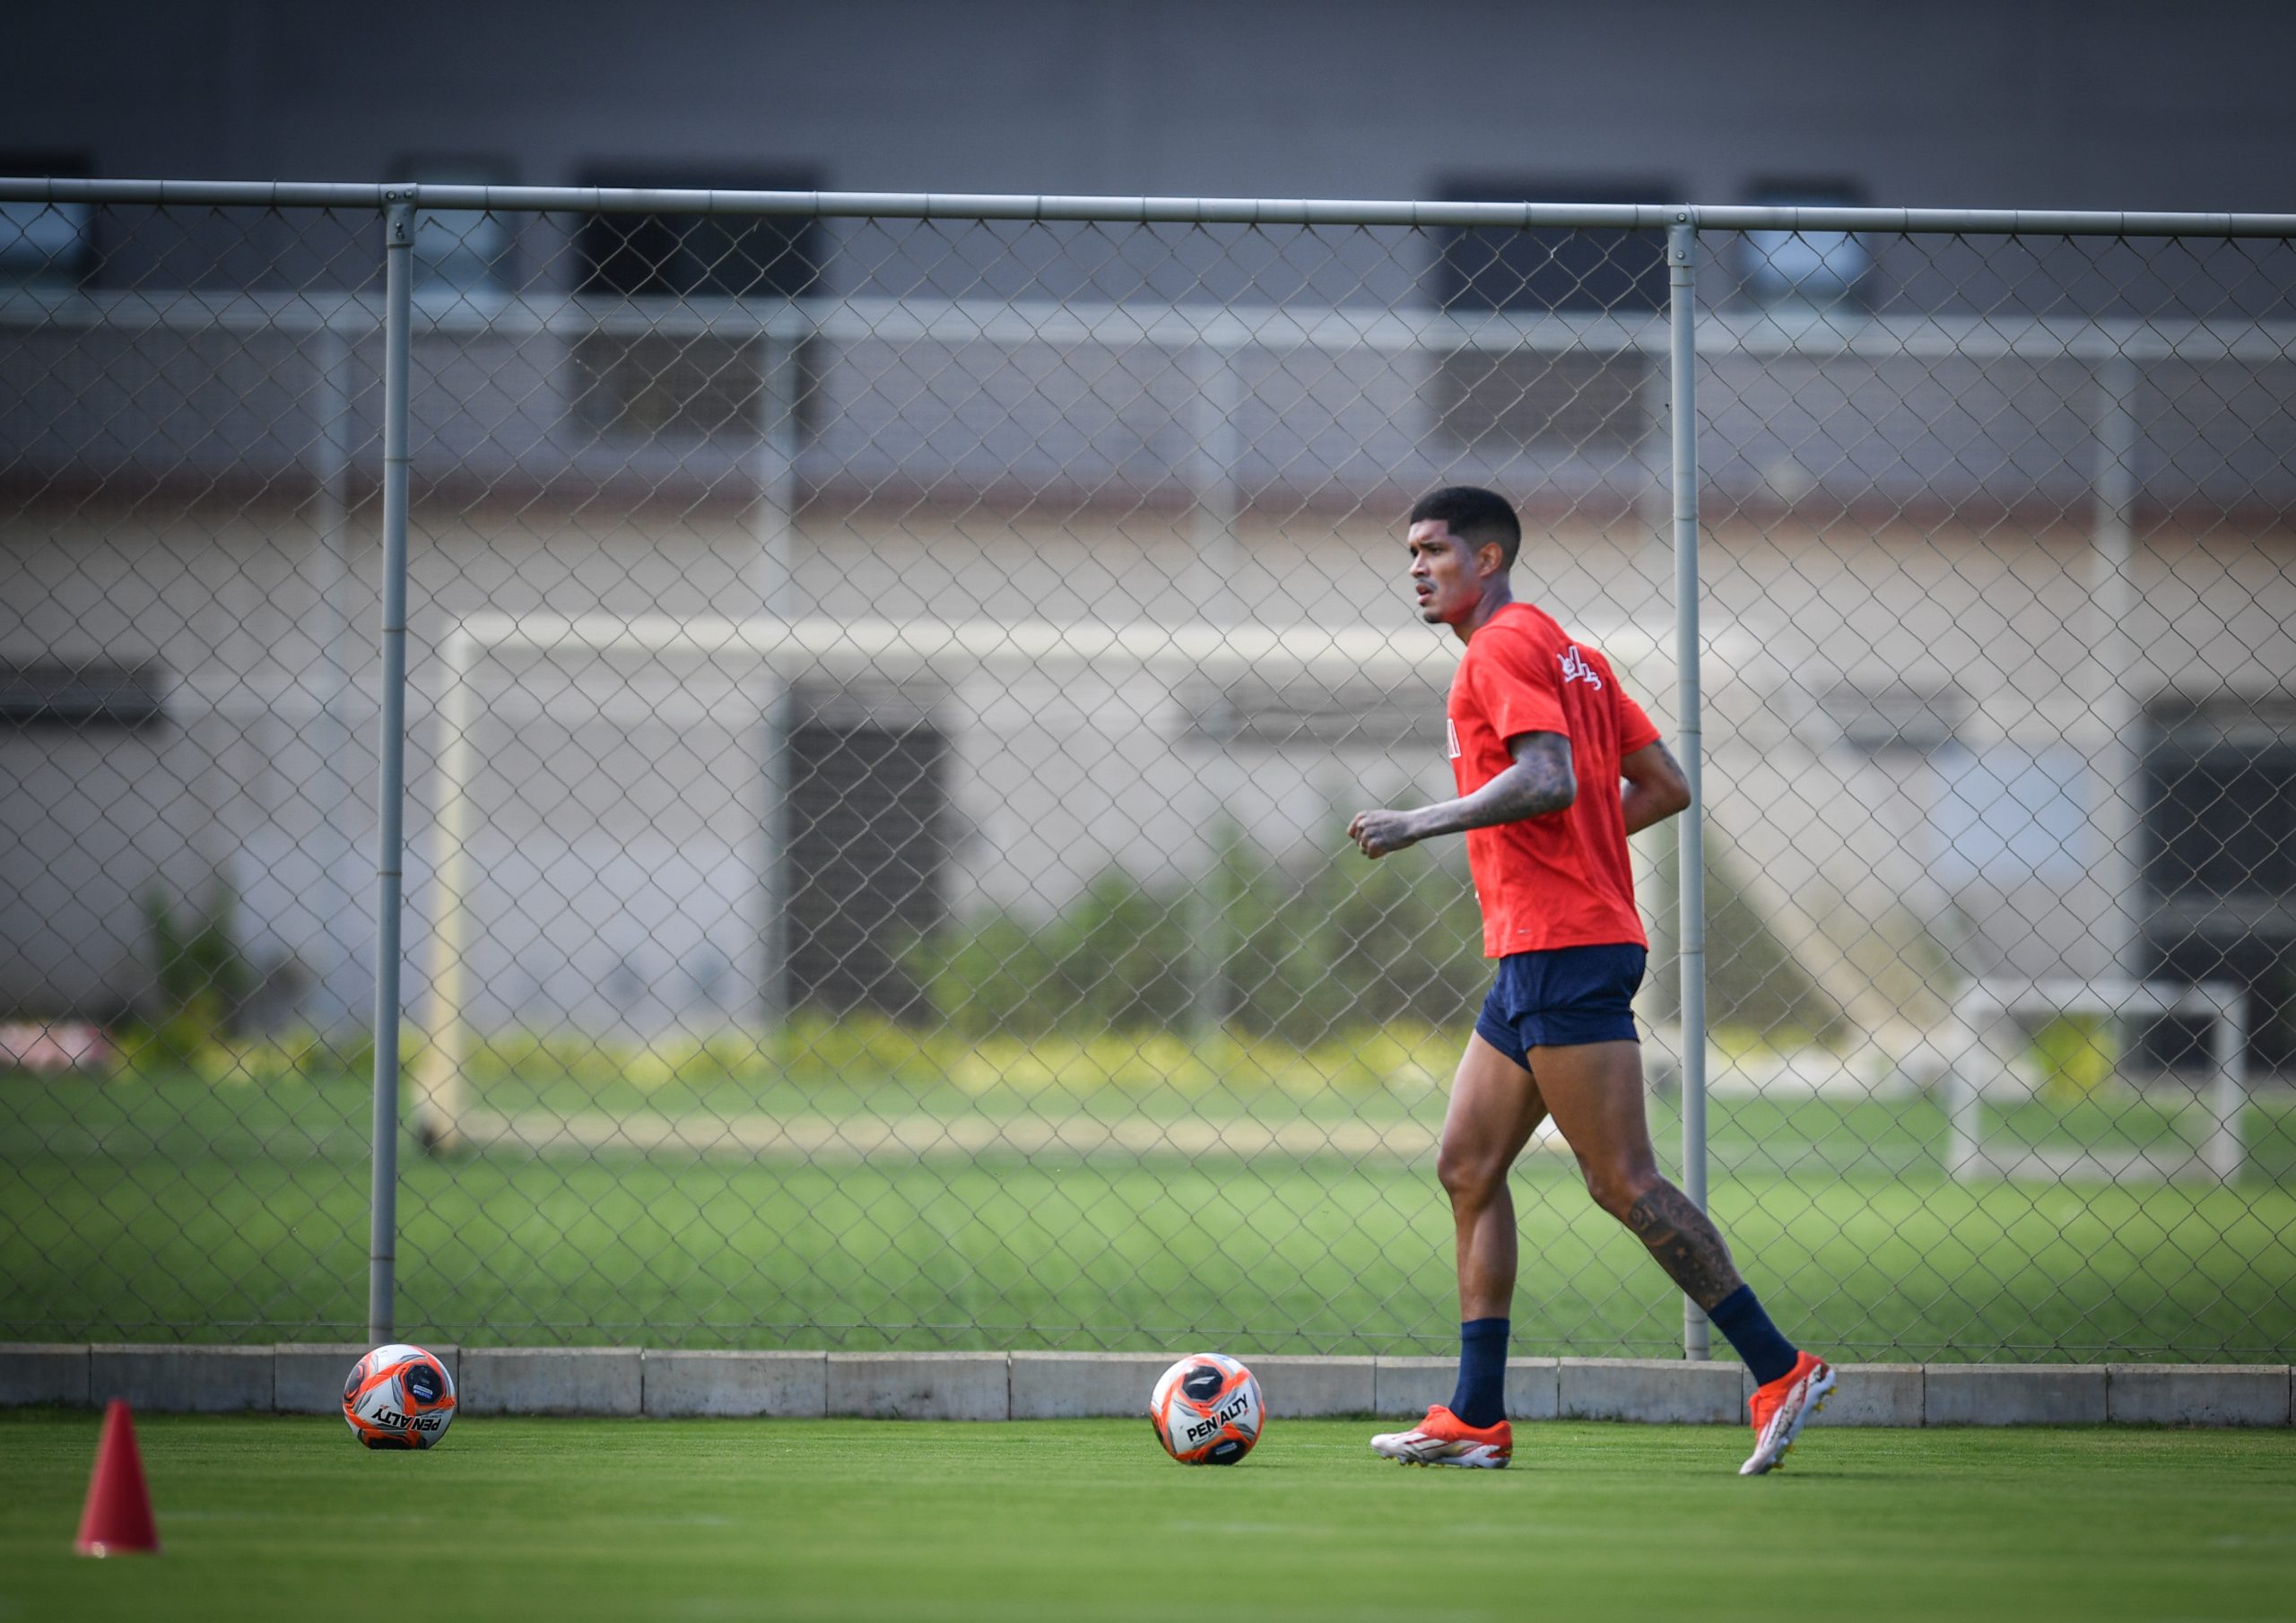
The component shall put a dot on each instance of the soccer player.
(1556, 766)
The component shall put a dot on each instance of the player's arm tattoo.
(1688, 1247)
(1541, 781)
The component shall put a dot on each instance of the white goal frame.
(787, 649)
(1984, 1004)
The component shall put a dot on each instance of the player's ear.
(1490, 558)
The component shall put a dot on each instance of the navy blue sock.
(1481, 1398)
(1739, 1316)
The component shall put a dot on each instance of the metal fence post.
(390, 843)
(773, 572)
(330, 458)
(1213, 403)
(2112, 588)
(1682, 280)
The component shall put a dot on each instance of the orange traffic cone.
(117, 1520)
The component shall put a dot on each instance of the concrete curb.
(794, 1384)
(1403, 1387)
(1875, 1394)
(44, 1372)
(306, 1379)
(1406, 1386)
(920, 1386)
(1304, 1388)
(552, 1380)
(2013, 1394)
(1669, 1391)
(2197, 1394)
(1534, 1388)
(1068, 1385)
(185, 1380)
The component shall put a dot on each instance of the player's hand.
(1377, 833)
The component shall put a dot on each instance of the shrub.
(201, 982)
(1257, 948)
(2075, 1054)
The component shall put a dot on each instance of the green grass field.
(236, 1209)
(277, 1517)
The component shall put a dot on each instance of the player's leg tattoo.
(1595, 1092)
(1685, 1242)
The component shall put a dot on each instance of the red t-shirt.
(1561, 879)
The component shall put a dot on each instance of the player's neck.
(1496, 595)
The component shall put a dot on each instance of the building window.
(866, 845)
(691, 255)
(47, 245)
(686, 385)
(2220, 868)
(81, 695)
(1278, 709)
(1915, 717)
(461, 251)
(1619, 272)
(1564, 396)
(2009, 815)
(1808, 270)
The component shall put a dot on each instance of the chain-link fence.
(885, 681)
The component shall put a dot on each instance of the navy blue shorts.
(1562, 997)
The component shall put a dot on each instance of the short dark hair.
(1477, 516)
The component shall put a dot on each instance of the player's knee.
(1468, 1178)
(1616, 1187)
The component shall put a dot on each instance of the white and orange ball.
(1206, 1409)
(398, 1397)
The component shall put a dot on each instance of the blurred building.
(1954, 103)
(2002, 571)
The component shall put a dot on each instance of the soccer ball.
(1206, 1409)
(398, 1397)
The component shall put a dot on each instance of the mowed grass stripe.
(285, 1518)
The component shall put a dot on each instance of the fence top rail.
(1176, 210)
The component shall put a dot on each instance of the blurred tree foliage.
(200, 981)
(1257, 948)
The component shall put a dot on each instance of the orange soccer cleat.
(1442, 1438)
(1781, 1407)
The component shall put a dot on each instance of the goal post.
(769, 657)
(2221, 1155)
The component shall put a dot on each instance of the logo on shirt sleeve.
(1574, 668)
(1451, 736)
